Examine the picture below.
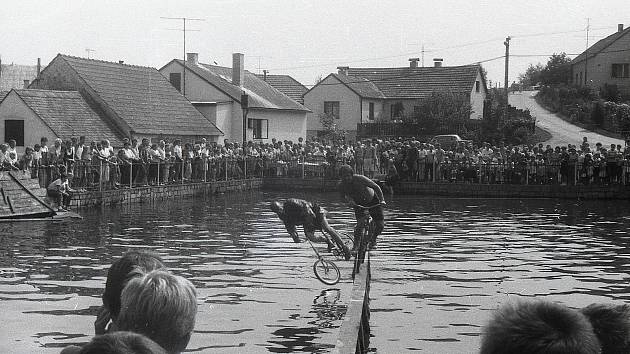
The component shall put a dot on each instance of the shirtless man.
(295, 212)
(362, 191)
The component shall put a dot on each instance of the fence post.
(226, 168)
(100, 177)
(130, 175)
(303, 165)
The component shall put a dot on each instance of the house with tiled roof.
(368, 95)
(138, 101)
(287, 85)
(16, 76)
(27, 115)
(219, 93)
(607, 62)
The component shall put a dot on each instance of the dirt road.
(562, 132)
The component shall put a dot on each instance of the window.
(621, 71)
(477, 86)
(14, 129)
(176, 81)
(332, 108)
(576, 78)
(416, 111)
(397, 110)
(580, 78)
(260, 128)
(371, 112)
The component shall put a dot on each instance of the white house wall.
(283, 125)
(13, 108)
(332, 89)
(477, 99)
(599, 70)
(379, 115)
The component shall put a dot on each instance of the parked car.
(449, 141)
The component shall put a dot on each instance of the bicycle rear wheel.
(326, 271)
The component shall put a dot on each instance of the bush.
(520, 135)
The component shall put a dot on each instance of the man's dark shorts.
(376, 213)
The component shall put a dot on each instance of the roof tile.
(142, 97)
(69, 115)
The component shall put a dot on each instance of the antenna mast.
(184, 19)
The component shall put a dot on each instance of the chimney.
(437, 62)
(192, 58)
(238, 69)
(39, 66)
(26, 82)
(413, 62)
(121, 62)
(265, 74)
(620, 27)
(343, 70)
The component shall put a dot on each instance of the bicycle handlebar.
(369, 207)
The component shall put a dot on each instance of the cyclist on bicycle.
(362, 192)
(312, 217)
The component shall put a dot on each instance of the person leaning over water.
(362, 191)
(312, 217)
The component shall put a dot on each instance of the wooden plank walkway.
(21, 196)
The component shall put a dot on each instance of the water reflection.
(441, 266)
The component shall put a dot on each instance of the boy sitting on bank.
(59, 190)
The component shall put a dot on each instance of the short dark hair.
(130, 265)
(612, 326)
(538, 327)
(122, 342)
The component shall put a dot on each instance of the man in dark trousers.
(312, 217)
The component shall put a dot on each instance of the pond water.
(440, 267)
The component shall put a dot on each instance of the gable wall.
(332, 90)
(12, 107)
(600, 66)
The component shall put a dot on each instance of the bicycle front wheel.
(326, 271)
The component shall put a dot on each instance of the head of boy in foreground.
(538, 327)
(162, 306)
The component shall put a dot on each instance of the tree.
(444, 108)
(557, 71)
(331, 129)
(531, 76)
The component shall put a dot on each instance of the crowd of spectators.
(139, 163)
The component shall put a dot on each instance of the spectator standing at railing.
(26, 161)
(178, 159)
(103, 157)
(188, 156)
(125, 157)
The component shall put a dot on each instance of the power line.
(462, 45)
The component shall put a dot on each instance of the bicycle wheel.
(326, 271)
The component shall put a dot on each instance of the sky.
(307, 39)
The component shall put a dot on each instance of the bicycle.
(364, 239)
(325, 270)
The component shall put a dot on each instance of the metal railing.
(114, 174)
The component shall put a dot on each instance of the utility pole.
(588, 27)
(88, 50)
(423, 55)
(507, 62)
(184, 30)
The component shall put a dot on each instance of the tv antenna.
(88, 51)
(184, 30)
